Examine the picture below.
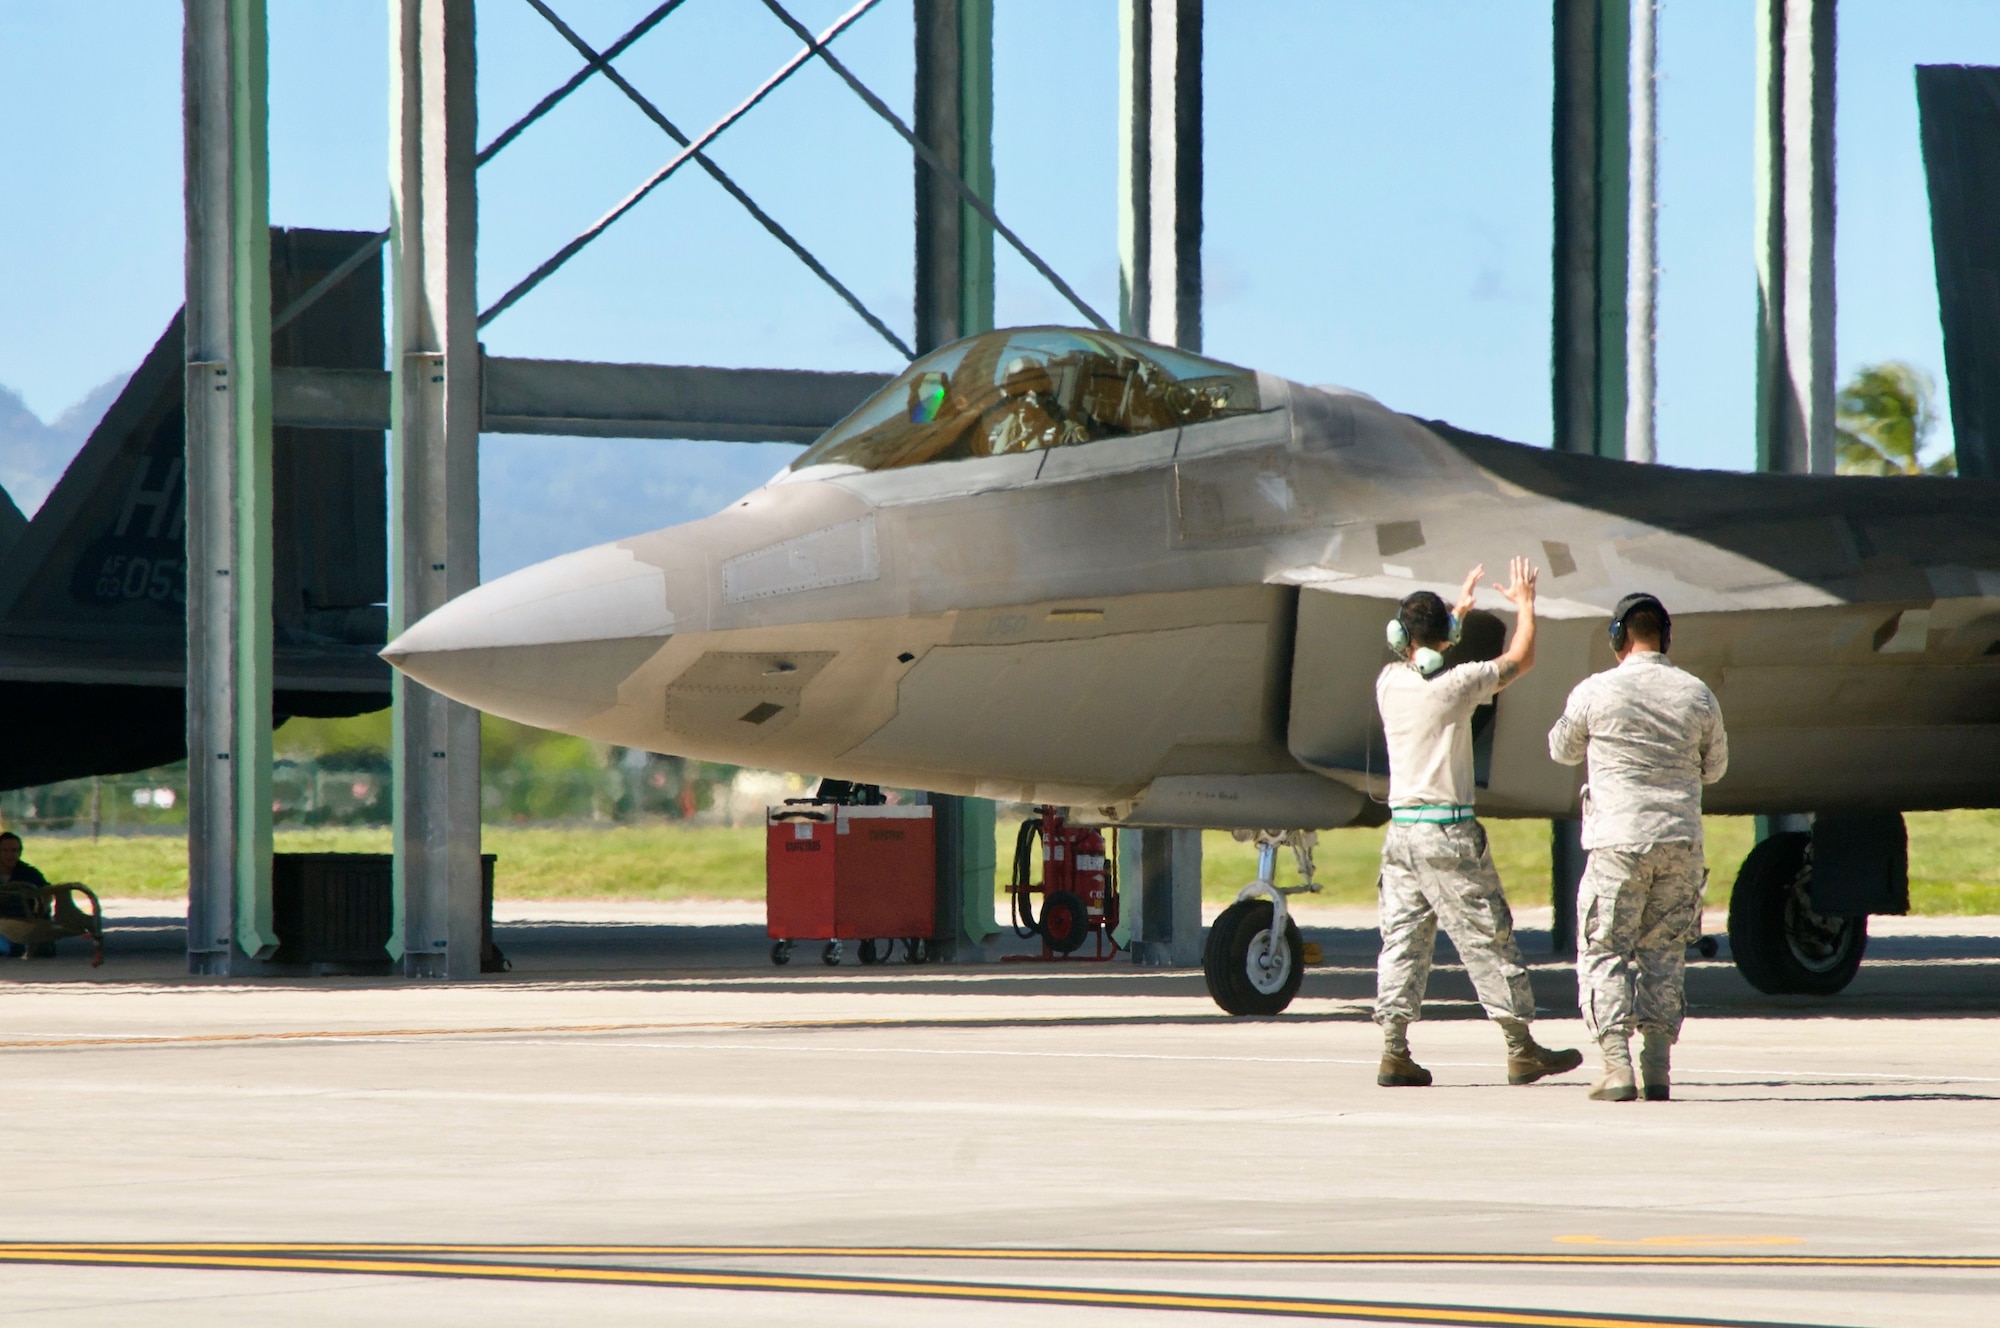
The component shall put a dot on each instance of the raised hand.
(1467, 591)
(1520, 592)
(1520, 588)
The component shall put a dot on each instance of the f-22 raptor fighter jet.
(1066, 567)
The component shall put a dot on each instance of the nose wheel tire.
(1781, 945)
(1247, 973)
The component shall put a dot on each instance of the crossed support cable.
(576, 80)
(935, 162)
(692, 150)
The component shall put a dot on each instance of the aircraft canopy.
(1026, 389)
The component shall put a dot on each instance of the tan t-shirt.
(1428, 722)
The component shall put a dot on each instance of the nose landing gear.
(1255, 959)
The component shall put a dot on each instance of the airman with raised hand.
(1435, 864)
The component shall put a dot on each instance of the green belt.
(1446, 815)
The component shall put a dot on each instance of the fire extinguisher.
(1078, 887)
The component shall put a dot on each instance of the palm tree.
(1882, 419)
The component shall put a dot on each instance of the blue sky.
(1377, 204)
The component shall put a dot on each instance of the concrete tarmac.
(646, 1122)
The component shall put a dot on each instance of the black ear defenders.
(1626, 606)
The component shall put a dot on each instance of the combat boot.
(1399, 1071)
(1616, 1085)
(1528, 1060)
(1655, 1056)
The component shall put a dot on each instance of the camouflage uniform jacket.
(1654, 736)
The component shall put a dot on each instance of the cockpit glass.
(1029, 389)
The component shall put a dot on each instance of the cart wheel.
(781, 953)
(831, 955)
(1065, 921)
(870, 956)
(1708, 947)
(916, 950)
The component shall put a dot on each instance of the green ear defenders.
(1626, 606)
(1426, 660)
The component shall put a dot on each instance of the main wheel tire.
(1065, 921)
(1781, 946)
(1245, 975)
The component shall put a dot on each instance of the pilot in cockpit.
(1026, 418)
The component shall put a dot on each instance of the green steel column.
(954, 298)
(251, 238)
(228, 410)
(1135, 166)
(1159, 298)
(1160, 170)
(1794, 246)
(1591, 149)
(954, 117)
(434, 473)
(1795, 235)
(1591, 168)
(975, 157)
(975, 138)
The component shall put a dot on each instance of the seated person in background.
(13, 871)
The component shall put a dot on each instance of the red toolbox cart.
(838, 873)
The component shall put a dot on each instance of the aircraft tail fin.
(93, 609)
(12, 523)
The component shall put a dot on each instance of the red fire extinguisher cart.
(1078, 890)
(839, 873)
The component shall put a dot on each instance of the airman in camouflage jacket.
(1654, 736)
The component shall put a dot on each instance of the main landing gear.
(1783, 946)
(1255, 959)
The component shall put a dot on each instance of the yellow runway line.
(1634, 1259)
(923, 1289)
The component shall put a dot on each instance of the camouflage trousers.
(1638, 908)
(1434, 874)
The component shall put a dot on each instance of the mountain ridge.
(34, 454)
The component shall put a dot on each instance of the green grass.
(1346, 861)
(1954, 861)
(540, 862)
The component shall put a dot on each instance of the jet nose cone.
(547, 645)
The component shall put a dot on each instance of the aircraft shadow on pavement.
(655, 956)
